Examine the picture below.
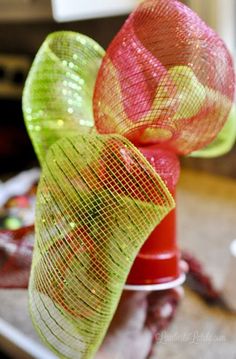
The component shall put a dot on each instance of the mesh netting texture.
(166, 78)
(98, 201)
(57, 96)
(224, 141)
(165, 163)
(166, 84)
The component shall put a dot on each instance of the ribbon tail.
(98, 200)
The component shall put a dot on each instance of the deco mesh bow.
(166, 79)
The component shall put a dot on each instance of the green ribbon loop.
(57, 99)
(98, 200)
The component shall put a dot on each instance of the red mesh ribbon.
(166, 164)
(166, 78)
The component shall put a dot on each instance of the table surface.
(206, 227)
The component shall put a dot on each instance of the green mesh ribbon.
(59, 88)
(98, 200)
(224, 142)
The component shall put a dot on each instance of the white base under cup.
(157, 287)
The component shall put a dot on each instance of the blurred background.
(24, 24)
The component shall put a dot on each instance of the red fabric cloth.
(16, 249)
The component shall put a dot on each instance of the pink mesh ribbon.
(166, 78)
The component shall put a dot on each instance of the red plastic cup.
(158, 260)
